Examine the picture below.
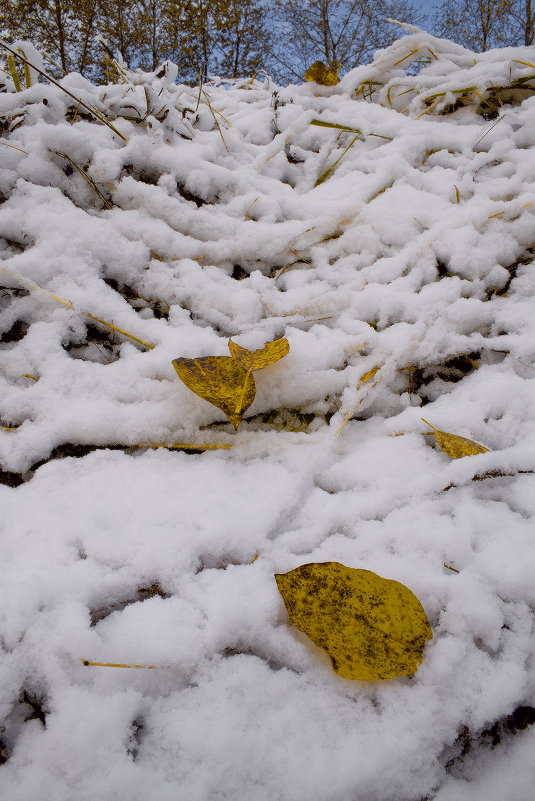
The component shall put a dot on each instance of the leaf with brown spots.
(263, 357)
(322, 74)
(456, 446)
(220, 380)
(371, 627)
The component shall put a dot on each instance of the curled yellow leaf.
(322, 74)
(456, 446)
(371, 627)
(220, 380)
(368, 376)
(263, 357)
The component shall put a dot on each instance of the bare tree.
(340, 33)
(242, 40)
(476, 24)
(121, 27)
(523, 21)
(64, 29)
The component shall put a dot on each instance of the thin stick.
(14, 148)
(87, 663)
(486, 132)
(331, 169)
(29, 284)
(432, 106)
(527, 63)
(86, 178)
(75, 113)
(405, 57)
(187, 446)
(251, 206)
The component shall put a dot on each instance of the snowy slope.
(414, 255)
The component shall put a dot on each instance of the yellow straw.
(118, 665)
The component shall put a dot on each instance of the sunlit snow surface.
(413, 255)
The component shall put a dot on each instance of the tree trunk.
(61, 34)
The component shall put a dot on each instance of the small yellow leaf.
(371, 627)
(456, 446)
(263, 357)
(322, 74)
(220, 380)
(370, 374)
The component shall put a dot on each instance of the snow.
(147, 556)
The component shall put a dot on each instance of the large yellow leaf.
(456, 446)
(371, 627)
(263, 357)
(322, 74)
(220, 380)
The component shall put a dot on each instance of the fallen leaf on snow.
(456, 446)
(220, 380)
(371, 627)
(369, 375)
(263, 357)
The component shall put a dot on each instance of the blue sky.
(425, 5)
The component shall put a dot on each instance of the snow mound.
(399, 238)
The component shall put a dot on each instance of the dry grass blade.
(27, 75)
(27, 283)
(250, 207)
(412, 53)
(328, 172)
(323, 124)
(181, 446)
(430, 108)
(115, 328)
(13, 73)
(396, 86)
(52, 80)
(86, 178)
(14, 148)
(215, 120)
(526, 63)
(487, 132)
(87, 663)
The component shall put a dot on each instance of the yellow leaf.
(263, 357)
(322, 74)
(220, 380)
(371, 627)
(456, 446)
(370, 374)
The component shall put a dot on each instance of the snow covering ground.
(414, 255)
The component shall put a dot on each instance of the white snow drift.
(413, 255)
